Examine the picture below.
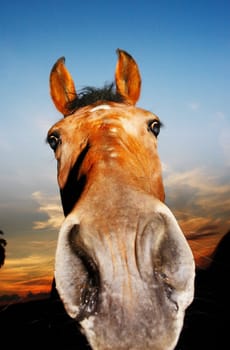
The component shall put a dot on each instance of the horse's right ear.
(127, 77)
(62, 89)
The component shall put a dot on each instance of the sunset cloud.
(31, 273)
(199, 191)
(50, 206)
(201, 205)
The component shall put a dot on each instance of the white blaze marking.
(100, 107)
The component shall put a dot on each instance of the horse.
(123, 268)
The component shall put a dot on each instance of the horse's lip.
(89, 290)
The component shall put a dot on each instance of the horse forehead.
(120, 113)
(110, 114)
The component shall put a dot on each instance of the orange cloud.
(30, 274)
(196, 195)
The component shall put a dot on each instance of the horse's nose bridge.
(112, 245)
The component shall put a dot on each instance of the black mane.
(90, 95)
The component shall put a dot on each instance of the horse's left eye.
(54, 140)
(154, 126)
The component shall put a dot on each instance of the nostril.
(89, 300)
(169, 289)
(170, 292)
(90, 288)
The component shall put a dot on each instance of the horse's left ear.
(62, 89)
(127, 77)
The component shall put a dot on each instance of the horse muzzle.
(126, 281)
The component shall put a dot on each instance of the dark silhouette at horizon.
(3, 244)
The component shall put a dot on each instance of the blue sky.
(183, 52)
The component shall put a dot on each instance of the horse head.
(123, 267)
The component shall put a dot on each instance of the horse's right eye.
(54, 140)
(154, 126)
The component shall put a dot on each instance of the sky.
(183, 52)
